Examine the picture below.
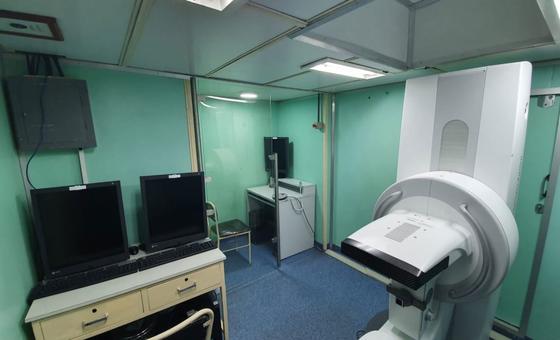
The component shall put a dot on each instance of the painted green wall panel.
(16, 275)
(544, 317)
(539, 145)
(367, 134)
(141, 129)
(294, 119)
(233, 149)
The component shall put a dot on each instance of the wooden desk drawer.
(93, 317)
(182, 287)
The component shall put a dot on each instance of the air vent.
(29, 25)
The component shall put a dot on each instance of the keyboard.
(174, 254)
(75, 281)
(91, 277)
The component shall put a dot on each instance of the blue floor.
(312, 296)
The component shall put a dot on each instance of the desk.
(92, 310)
(295, 234)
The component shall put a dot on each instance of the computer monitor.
(174, 210)
(79, 227)
(280, 146)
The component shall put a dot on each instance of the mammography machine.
(444, 233)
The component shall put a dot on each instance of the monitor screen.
(280, 146)
(174, 208)
(79, 227)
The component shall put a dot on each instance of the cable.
(299, 210)
(41, 132)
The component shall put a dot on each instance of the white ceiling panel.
(211, 87)
(381, 26)
(92, 30)
(279, 60)
(298, 8)
(458, 29)
(313, 80)
(183, 37)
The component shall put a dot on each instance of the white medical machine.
(444, 233)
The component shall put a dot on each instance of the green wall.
(294, 119)
(233, 151)
(141, 129)
(367, 133)
(16, 275)
(539, 145)
(544, 318)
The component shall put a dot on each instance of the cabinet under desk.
(89, 311)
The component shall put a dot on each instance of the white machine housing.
(444, 232)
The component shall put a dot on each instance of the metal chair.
(228, 229)
(177, 328)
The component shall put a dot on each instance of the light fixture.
(227, 99)
(343, 68)
(218, 5)
(248, 95)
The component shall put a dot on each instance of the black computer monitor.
(280, 146)
(79, 227)
(174, 210)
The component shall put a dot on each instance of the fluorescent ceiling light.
(248, 95)
(218, 5)
(226, 99)
(343, 68)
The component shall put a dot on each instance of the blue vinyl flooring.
(312, 296)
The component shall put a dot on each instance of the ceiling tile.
(381, 26)
(92, 30)
(211, 87)
(457, 29)
(298, 8)
(183, 37)
(279, 60)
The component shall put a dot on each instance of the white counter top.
(63, 302)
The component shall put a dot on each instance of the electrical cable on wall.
(33, 68)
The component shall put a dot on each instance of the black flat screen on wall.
(174, 210)
(79, 227)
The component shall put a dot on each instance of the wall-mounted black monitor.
(174, 210)
(54, 108)
(280, 146)
(79, 227)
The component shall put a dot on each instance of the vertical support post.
(274, 158)
(193, 128)
(326, 186)
(83, 166)
(331, 186)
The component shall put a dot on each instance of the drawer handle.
(186, 289)
(103, 319)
